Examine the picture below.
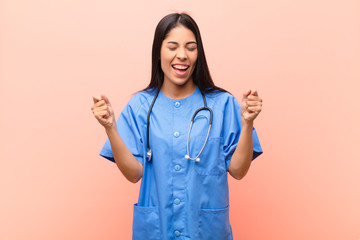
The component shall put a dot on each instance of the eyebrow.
(178, 43)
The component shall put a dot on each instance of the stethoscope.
(187, 156)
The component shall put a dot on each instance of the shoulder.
(141, 100)
(222, 98)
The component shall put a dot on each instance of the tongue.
(180, 71)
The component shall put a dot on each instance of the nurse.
(184, 190)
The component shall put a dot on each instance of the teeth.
(180, 67)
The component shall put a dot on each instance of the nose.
(181, 54)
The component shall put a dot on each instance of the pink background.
(303, 57)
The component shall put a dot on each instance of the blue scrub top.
(181, 198)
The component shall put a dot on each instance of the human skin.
(179, 50)
(251, 105)
(180, 47)
(130, 167)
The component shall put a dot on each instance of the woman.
(184, 188)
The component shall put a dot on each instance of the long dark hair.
(201, 75)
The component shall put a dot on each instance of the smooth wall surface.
(302, 56)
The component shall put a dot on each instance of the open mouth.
(180, 69)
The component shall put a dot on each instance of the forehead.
(180, 34)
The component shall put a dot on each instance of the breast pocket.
(146, 223)
(211, 161)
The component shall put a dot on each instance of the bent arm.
(130, 167)
(241, 158)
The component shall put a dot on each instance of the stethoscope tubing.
(148, 150)
(187, 156)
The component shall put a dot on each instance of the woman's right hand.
(103, 111)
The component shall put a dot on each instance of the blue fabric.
(180, 198)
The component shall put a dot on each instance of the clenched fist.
(251, 105)
(103, 111)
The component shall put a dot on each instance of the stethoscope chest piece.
(148, 154)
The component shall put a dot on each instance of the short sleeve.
(232, 130)
(130, 132)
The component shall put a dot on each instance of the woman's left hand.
(251, 105)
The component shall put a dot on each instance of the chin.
(181, 83)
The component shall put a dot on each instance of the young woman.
(181, 135)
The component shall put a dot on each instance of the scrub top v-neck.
(181, 198)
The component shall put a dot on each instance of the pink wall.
(303, 57)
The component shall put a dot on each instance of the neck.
(178, 91)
